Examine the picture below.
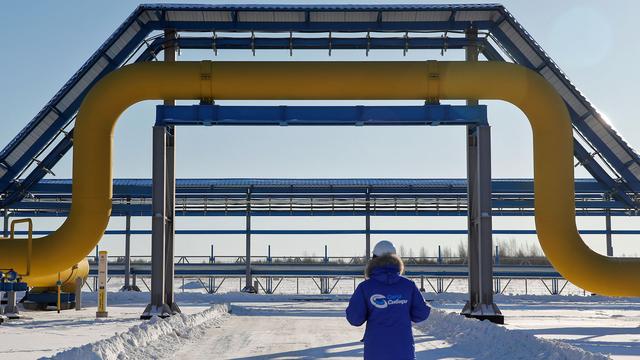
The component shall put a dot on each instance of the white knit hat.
(384, 247)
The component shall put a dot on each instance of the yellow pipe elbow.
(67, 277)
(547, 113)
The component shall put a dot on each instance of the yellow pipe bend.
(547, 113)
(67, 277)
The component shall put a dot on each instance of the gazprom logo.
(381, 301)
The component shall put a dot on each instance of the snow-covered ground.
(594, 323)
(312, 326)
(151, 339)
(44, 333)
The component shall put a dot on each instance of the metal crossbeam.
(293, 270)
(342, 232)
(208, 115)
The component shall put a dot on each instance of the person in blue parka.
(388, 303)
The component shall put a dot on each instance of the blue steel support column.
(496, 261)
(248, 287)
(170, 223)
(212, 283)
(269, 279)
(5, 229)
(95, 260)
(608, 231)
(127, 256)
(368, 226)
(480, 304)
(324, 280)
(158, 306)
(471, 55)
(170, 154)
(127, 253)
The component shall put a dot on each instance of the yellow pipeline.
(46, 283)
(67, 277)
(552, 137)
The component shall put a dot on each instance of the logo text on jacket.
(382, 301)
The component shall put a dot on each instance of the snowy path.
(313, 326)
(46, 333)
(298, 330)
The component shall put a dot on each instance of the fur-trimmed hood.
(389, 263)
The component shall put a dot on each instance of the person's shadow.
(345, 350)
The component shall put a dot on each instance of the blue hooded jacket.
(388, 303)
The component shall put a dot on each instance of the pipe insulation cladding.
(545, 109)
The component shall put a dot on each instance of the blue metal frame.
(294, 44)
(125, 212)
(338, 232)
(315, 270)
(208, 115)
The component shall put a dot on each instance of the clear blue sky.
(44, 43)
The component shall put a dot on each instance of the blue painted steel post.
(127, 255)
(439, 283)
(95, 259)
(472, 164)
(212, 283)
(158, 306)
(248, 287)
(269, 279)
(368, 226)
(479, 197)
(127, 252)
(5, 229)
(170, 221)
(324, 281)
(170, 50)
(497, 286)
(608, 232)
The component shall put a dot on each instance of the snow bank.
(500, 299)
(485, 340)
(151, 339)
